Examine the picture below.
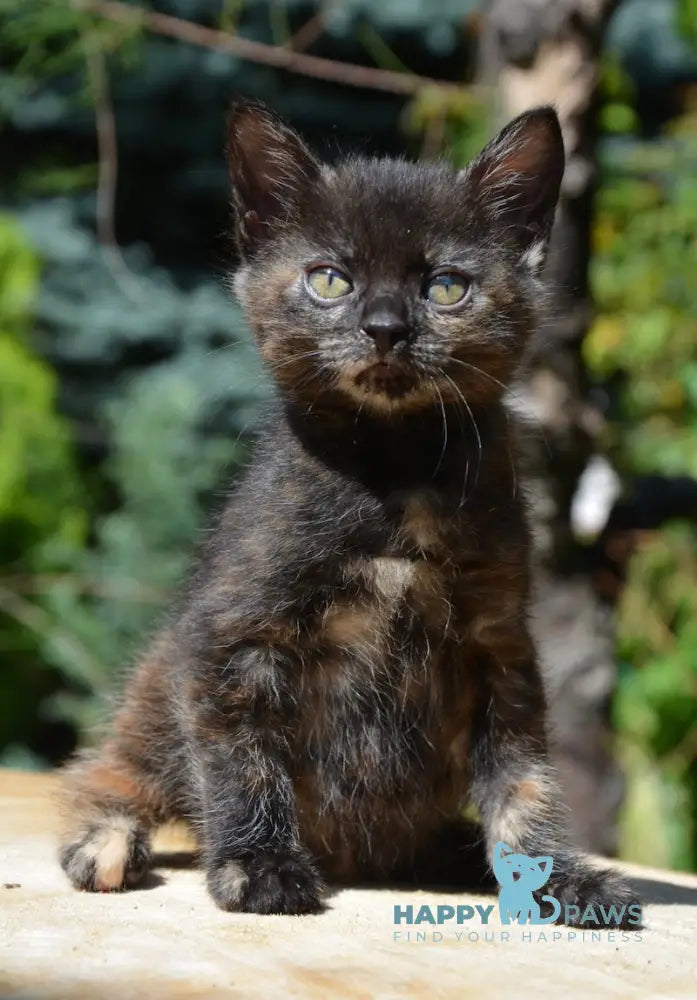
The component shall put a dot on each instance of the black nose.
(385, 320)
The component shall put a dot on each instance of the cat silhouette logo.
(519, 876)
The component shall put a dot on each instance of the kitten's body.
(351, 661)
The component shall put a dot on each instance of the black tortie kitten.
(350, 663)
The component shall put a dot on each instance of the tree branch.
(277, 57)
(106, 140)
(107, 147)
(309, 32)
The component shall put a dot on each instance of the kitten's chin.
(385, 387)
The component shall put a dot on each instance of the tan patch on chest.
(392, 576)
(347, 625)
(423, 585)
(385, 579)
(361, 629)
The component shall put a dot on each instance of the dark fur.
(351, 662)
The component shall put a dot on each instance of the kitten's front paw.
(267, 883)
(111, 854)
(592, 898)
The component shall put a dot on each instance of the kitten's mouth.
(391, 378)
(385, 385)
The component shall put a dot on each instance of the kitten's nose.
(385, 320)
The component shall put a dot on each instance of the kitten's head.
(390, 285)
(513, 869)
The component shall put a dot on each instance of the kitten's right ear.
(515, 180)
(270, 168)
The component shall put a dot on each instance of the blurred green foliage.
(687, 20)
(169, 429)
(643, 281)
(89, 554)
(37, 481)
(656, 701)
(42, 518)
(643, 347)
(151, 368)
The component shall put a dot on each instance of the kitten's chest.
(401, 596)
(387, 670)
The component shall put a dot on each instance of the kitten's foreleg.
(516, 791)
(252, 853)
(112, 797)
(108, 809)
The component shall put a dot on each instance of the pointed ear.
(515, 181)
(270, 169)
(500, 848)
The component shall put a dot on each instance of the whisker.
(445, 428)
(434, 372)
(474, 425)
(508, 391)
(514, 471)
(294, 358)
(479, 371)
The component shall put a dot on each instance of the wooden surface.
(169, 941)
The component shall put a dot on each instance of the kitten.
(351, 662)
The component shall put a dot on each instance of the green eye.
(447, 289)
(328, 283)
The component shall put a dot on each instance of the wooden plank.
(168, 940)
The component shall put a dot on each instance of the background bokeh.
(129, 388)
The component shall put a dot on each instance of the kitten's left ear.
(515, 181)
(270, 170)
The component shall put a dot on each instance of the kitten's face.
(389, 286)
